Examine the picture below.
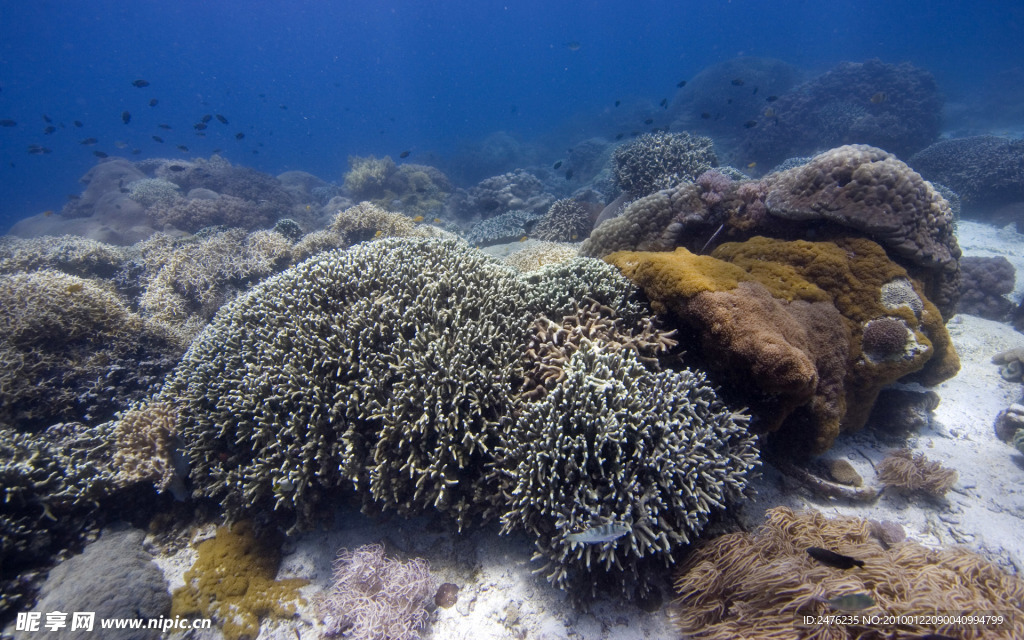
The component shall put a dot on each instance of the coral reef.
(373, 597)
(503, 228)
(115, 578)
(566, 221)
(413, 189)
(52, 484)
(760, 584)
(1009, 421)
(192, 214)
(985, 171)
(154, 191)
(73, 255)
(553, 344)
(103, 189)
(72, 350)
(513, 191)
(232, 582)
(614, 442)
(788, 318)
(899, 412)
(368, 221)
(871, 192)
(143, 440)
(366, 176)
(984, 285)
(654, 223)
(908, 471)
(396, 357)
(540, 254)
(655, 161)
(895, 107)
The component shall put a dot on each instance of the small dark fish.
(705, 115)
(572, 46)
(140, 83)
(158, 138)
(99, 154)
(206, 118)
(200, 134)
(568, 174)
(89, 141)
(239, 135)
(199, 126)
(136, 152)
(154, 102)
(750, 124)
(283, 107)
(634, 134)
(36, 150)
(126, 117)
(404, 154)
(557, 164)
(879, 98)
(649, 121)
(78, 123)
(165, 127)
(771, 98)
(182, 148)
(74, 196)
(221, 119)
(8, 123)
(737, 82)
(681, 84)
(663, 103)
(755, 92)
(618, 102)
(833, 559)
(851, 602)
(47, 119)
(176, 167)
(263, 95)
(50, 129)
(618, 136)
(729, 101)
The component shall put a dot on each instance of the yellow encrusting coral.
(232, 582)
(763, 584)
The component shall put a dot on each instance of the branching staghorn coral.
(762, 584)
(906, 470)
(374, 597)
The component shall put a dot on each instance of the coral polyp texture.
(614, 442)
(790, 319)
(661, 160)
(566, 221)
(763, 584)
(374, 597)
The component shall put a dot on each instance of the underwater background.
(310, 83)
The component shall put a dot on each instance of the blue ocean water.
(309, 83)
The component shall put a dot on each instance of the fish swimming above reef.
(239, 135)
(140, 83)
(157, 139)
(557, 164)
(750, 124)
(598, 534)
(681, 84)
(8, 123)
(737, 82)
(100, 154)
(153, 102)
(221, 119)
(89, 141)
(833, 559)
(126, 117)
(78, 123)
(851, 602)
(404, 154)
(572, 46)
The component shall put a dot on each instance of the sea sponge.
(761, 584)
(373, 597)
(232, 582)
(615, 442)
(661, 160)
(910, 471)
(787, 318)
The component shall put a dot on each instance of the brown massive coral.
(787, 321)
(851, 190)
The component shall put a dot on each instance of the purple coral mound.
(375, 597)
